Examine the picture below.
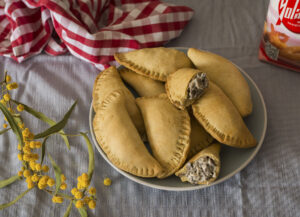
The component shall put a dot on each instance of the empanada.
(203, 168)
(226, 75)
(185, 86)
(200, 139)
(142, 85)
(156, 63)
(119, 139)
(220, 118)
(107, 82)
(168, 131)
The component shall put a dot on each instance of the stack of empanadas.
(185, 113)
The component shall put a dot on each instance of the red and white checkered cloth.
(92, 30)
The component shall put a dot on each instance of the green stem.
(3, 206)
(69, 135)
(9, 181)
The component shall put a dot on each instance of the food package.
(280, 43)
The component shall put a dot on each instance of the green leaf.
(18, 119)
(91, 155)
(3, 206)
(57, 127)
(43, 149)
(6, 182)
(44, 118)
(67, 213)
(57, 172)
(65, 196)
(4, 131)
(13, 124)
(82, 211)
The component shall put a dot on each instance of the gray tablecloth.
(268, 186)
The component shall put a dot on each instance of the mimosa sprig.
(32, 151)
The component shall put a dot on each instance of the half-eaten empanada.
(226, 75)
(185, 86)
(168, 131)
(107, 82)
(220, 118)
(156, 63)
(142, 85)
(203, 168)
(119, 139)
(200, 139)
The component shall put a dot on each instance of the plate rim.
(196, 187)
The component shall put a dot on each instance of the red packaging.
(280, 44)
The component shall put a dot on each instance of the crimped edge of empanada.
(94, 94)
(176, 102)
(183, 141)
(120, 58)
(101, 76)
(222, 138)
(143, 172)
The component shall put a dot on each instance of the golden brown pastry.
(168, 131)
(185, 86)
(200, 139)
(156, 63)
(119, 139)
(142, 85)
(203, 168)
(107, 82)
(226, 75)
(220, 118)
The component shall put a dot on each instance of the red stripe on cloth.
(13, 24)
(85, 8)
(14, 6)
(99, 10)
(52, 52)
(153, 43)
(47, 27)
(6, 50)
(2, 53)
(52, 6)
(121, 19)
(84, 55)
(25, 38)
(175, 9)
(92, 4)
(14, 58)
(5, 32)
(29, 19)
(3, 17)
(148, 9)
(111, 12)
(134, 1)
(77, 14)
(40, 44)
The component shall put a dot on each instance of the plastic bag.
(280, 43)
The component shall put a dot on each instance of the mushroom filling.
(197, 86)
(201, 170)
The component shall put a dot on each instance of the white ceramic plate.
(233, 160)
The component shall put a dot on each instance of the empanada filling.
(197, 86)
(200, 170)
